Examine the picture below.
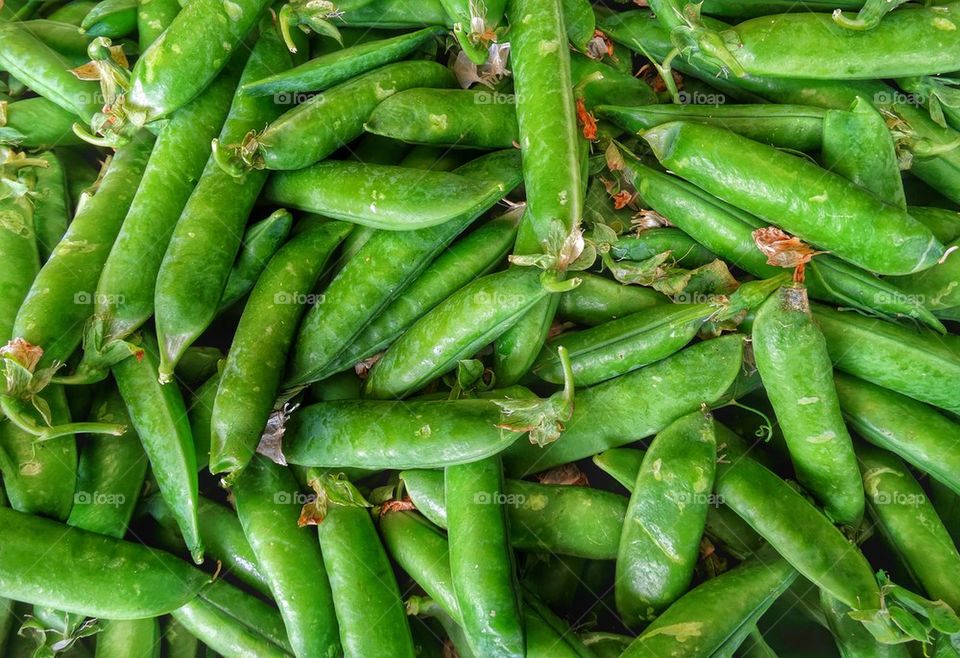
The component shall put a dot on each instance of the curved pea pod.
(793, 193)
(937, 288)
(111, 18)
(598, 300)
(51, 204)
(267, 503)
(437, 341)
(110, 474)
(852, 639)
(915, 363)
(341, 65)
(146, 582)
(654, 241)
(18, 248)
(908, 521)
(797, 373)
(61, 37)
(222, 633)
(543, 517)
(943, 223)
(607, 85)
(153, 17)
(647, 401)
(251, 377)
(388, 196)
(383, 267)
(158, 415)
(463, 118)
(135, 637)
(36, 123)
(462, 262)
(798, 127)
(388, 14)
(914, 431)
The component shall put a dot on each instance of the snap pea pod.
(51, 205)
(494, 302)
(908, 521)
(853, 640)
(200, 413)
(222, 633)
(135, 637)
(914, 431)
(261, 343)
(458, 265)
(159, 417)
(390, 197)
(915, 363)
(943, 223)
(543, 517)
(386, 14)
(794, 194)
(323, 123)
(463, 118)
(647, 400)
(724, 608)
(383, 267)
(153, 17)
(607, 85)
(111, 18)
(207, 236)
(204, 35)
(266, 498)
(109, 475)
(72, 12)
(798, 127)
(341, 65)
(797, 373)
(597, 300)
(147, 582)
(481, 564)
(939, 287)
(653, 241)
(36, 123)
(63, 38)
(18, 247)
(260, 242)
(257, 615)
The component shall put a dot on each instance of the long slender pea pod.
(462, 262)
(543, 517)
(266, 498)
(111, 18)
(636, 405)
(109, 475)
(387, 14)
(798, 127)
(51, 204)
(852, 639)
(392, 197)
(383, 267)
(365, 592)
(341, 65)
(909, 522)
(200, 413)
(153, 17)
(72, 12)
(665, 519)
(260, 242)
(549, 139)
(916, 432)
(319, 126)
(123, 639)
(260, 345)
(159, 416)
(915, 363)
(207, 236)
(481, 564)
(222, 633)
(18, 246)
(793, 192)
(146, 582)
(794, 364)
(598, 299)
(437, 341)
(257, 615)
(36, 123)
(685, 251)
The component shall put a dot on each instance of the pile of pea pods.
(480, 328)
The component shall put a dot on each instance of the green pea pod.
(18, 245)
(853, 640)
(153, 17)
(266, 496)
(580, 22)
(703, 621)
(178, 642)
(260, 242)
(319, 126)
(36, 123)
(159, 417)
(200, 414)
(494, 303)
(795, 367)
(797, 127)
(207, 236)
(602, 84)
(72, 12)
(389, 14)
(260, 617)
(943, 223)
(391, 197)
(261, 343)
(222, 633)
(111, 18)
(63, 38)
(122, 639)
(51, 205)
(685, 250)
(792, 192)
(543, 517)
(798, 531)
(939, 287)
(915, 363)
(463, 118)
(462, 262)
(382, 269)
(858, 146)
(365, 592)
(598, 300)
(647, 400)
(146, 582)
(110, 474)
(484, 577)
(198, 365)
